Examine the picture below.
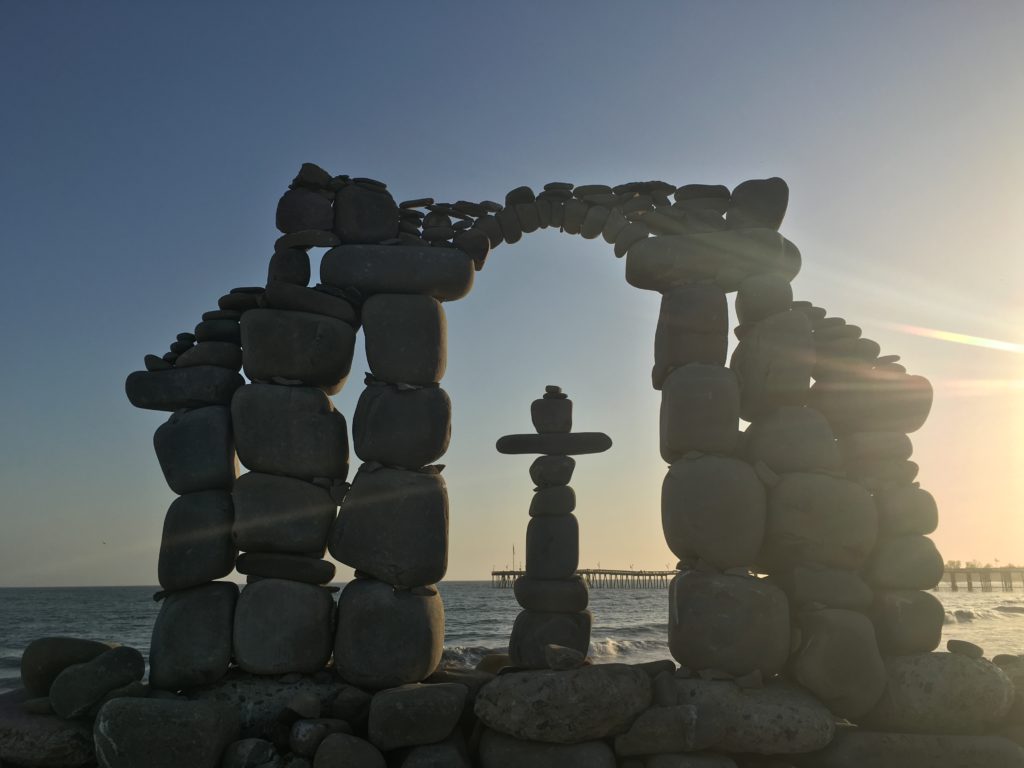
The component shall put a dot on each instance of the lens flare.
(959, 338)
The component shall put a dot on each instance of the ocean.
(629, 625)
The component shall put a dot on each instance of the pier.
(982, 579)
(599, 578)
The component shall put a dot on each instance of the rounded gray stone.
(402, 428)
(500, 751)
(196, 450)
(907, 621)
(556, 500)
(281, 295)
(30, 739)
(219, 353)
(406, 338)
(444, 273)
(552, 546)
(534, 631)
(761, 296)
(693, 327)
(364, 214)
(552, 595)
(830, 587)
(793, 439)
(700, 411)
(196, 545)
(551, 415)
(178, 388)
(773, 364)
(281, 514)
(292, 567)
(344, 751)
(905, 562)
(46, 657)
(290, 265)
(415, 714)
(551, 471)
(313, 349)
(79, 687)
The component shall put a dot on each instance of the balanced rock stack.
(553, 596)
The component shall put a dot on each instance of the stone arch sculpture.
(819, 492)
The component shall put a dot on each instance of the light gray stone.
(700, 411)
(313, 349)
(291, 266)
(534, 631)
(196, 545)
(500, 751)
(402, 428)
(415, 714)
(281, 514)
(557, 500)
(291, 567)
(406, 338)
(196, 450)
(444, 273)
(565, 707)
(248, 753)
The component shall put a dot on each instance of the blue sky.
(146, 146)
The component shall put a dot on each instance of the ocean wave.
(998, 613)
(10, 662)
(611, 648)
(468, 655)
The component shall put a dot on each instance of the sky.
(145, 146)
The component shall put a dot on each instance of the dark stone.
(511, 229)
(283, 626)
(406, 338)
(450, 753)
(793, 439)
(444, 273)
(573, 214)
(248, 753)
(196, 546)
(678, 728)
(475, 244)
(406, 428)
(906, 510)
(941, 693)
(713, 508)
(312, 300)
(693, 327)
(818, 519)
(831, 587)
(220, 353)
(178, 347)
(874, 400)
(500, 751)
(341, 750)
(702, 192)
(561, 658)
(533, 631)
(552, 547)
(307, 735)
(185, 388)
(559, 444)
(557, 500)
(773, 364)
(45, 658)
(272, 565)
(224, 329)
(752, 634)
(761, 296)
(218, 314)
(907, 621)
(594, 221)
(312, 349)
(518, 196)
(387, 637)
(838, 661)
(281, 514)
(191, 643)
(289, 266)
(630, 235)
(289, 431)
(393, 525)
(528, 216)
(415, 714)
(552, 471)
(489, 226)
(905, 562)
(777, 719)
(552, 595)
(858, 748)
(310, 238)
(28, 739)
(364, 215)
(565, 707)
(78, 687)
(551, 415)
(154, 363)
(964, 648)
(301, 209)
(700, 411)
(163, 734)
(196, 451)
(758, 203)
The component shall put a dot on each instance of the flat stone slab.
(444, 273)
(42, 740)
(555, 444)
(182, 387)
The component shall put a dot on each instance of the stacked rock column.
(553, 596)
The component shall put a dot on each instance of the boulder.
(905, 562)
(364, 214)
(830, 587)
(713, 508)
(556, 500)
(196, 451)
(734, 623)
(450, 753)
(415, 714)
(777, 719)
(282, 295)
(191, 643)
(196, 546)
(858, 748)
(552, 595)
(941, 693)
(283, 626)
(406, 338)
(223, 354)
(693, 327)
(818, 519)
(393, 526)
(281, 514)
(793, 439)
(274, 565)
(406, 428)
(565, 707)
(551, 414)
(838, 660)
(301, 209)
(248, 753)
(388, 637)
(761, 296)
(864, 447)
(555, 443)
(700, 411)
(226, 329)
(534, 631)
(444, 273)
(42, 740)
(299, 346)
(45, 658)
(289, 431)
(290, 266)
(344, 751)
(552, 471)
(78, 687)
(773, 364)
(178, 388)
(906, 510)
(678, 728)
(758, 203)
(500, 751)
(907, 621)
(306, 736)
(874, 400)
(159, 733)
(552, 547)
